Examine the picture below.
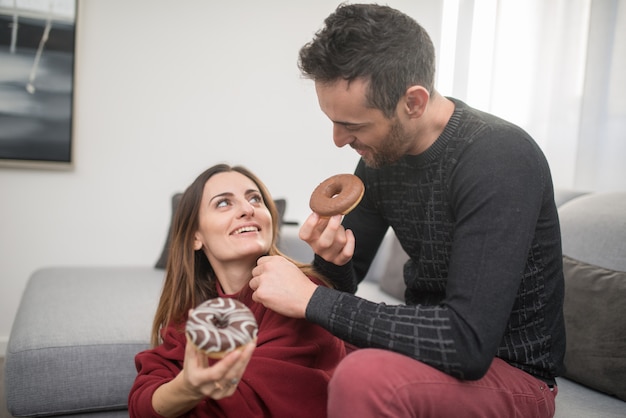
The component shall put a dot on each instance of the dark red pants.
(380, 383)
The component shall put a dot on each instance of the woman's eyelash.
(221, 202)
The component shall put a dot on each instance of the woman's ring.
(234, 381)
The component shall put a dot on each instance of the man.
(469, 197)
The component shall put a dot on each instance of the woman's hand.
(198, 380)
(328, 238)
(217, 381)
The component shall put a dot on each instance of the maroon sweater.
(287, 375)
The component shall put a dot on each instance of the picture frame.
(37, 61)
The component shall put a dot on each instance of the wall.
(162, 91)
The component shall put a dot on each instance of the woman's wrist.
(175, 397)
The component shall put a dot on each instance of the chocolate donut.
(338, 194)
(220, 325)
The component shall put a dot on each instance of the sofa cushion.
(595, 319)
(75, 336)
(562, 196)
(593, 231)
(578, 401)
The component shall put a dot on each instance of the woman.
(224, 222)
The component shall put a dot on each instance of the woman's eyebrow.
(220, 195)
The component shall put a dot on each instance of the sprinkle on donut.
(221, 325)
(336, 195)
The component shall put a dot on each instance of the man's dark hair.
(373, 42)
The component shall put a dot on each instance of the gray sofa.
(77, 329)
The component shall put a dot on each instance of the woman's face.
(234, 223)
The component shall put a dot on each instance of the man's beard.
(393, 147)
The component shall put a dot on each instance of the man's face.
(377, 139)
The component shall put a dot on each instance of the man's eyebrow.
(343, 123)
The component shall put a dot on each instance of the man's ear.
(415, 101)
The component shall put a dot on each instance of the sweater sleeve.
(155, 367)
(342, 277)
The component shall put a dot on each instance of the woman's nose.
(247, 209)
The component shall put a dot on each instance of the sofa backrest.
(593, 229)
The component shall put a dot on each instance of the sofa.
(72, 346)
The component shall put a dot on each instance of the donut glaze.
(338, 194)
(220, 325)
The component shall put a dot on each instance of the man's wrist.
(320, 305)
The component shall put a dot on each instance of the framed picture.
(37, 39)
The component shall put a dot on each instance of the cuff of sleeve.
(330, 268)
(342, 277)
(321, 305)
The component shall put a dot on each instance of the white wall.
(165, 89)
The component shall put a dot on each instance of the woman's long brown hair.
(189, 277)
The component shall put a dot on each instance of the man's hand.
(328, 238)
(281, 286)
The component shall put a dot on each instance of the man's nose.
(341, 136)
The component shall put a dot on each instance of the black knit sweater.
(476, 215)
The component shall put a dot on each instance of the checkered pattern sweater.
(476, 215)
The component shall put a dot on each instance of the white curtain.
(557, 68)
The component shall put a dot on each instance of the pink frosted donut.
(221, 325)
